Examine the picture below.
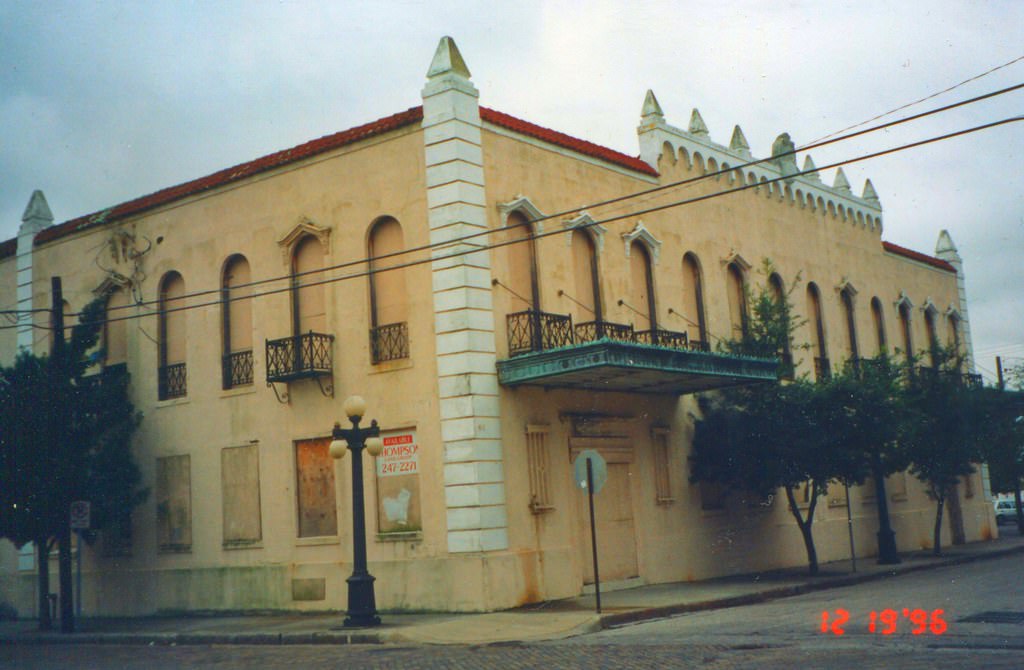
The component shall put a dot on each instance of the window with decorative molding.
(538, 465)
(662, 480)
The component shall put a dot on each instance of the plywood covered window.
(878, 316)
(240, 495)
(693, 299)
(538, 463)
(520, 274)
(905, 328)
(115, 335)
(172, 337)
(236, 319)
(737, 295)
(586, 281)
(662, 474)
(317, 503)
(389, 296)
(641, 284)
(846, 298)
(174, 503)
(822, 368)
(309, 312)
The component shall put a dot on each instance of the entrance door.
(616, 535)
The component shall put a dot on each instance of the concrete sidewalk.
(544, 621)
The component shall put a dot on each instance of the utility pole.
(999, 373)
(57, 356)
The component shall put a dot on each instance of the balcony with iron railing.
(389, 342)
(547, 350)
(236, 369)
(172, 381)
(305, 356)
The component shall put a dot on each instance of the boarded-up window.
(240, 483)
(116, 339)
(398, 483)
(174, 503)
(308, 298)
(712, 496)
(662, 480)
(314, 468)
(896, 486)
(693, 299)
(836, 494)
(537, 463)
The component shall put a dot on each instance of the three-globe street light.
(362, 604)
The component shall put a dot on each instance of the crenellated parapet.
(668, 148)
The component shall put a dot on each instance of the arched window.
(68, 316)
(520, 265)
(933, 338)
(115, 337)
(641, 285)
(236, 318)
(587, 283)
(693, 302)
(954, 336)
(308, 302)
(171, 375)
(822, 368)
(846, 297)
(737, 292)
(879, 318)
(389, 297)
(908, 337)
(778, 290)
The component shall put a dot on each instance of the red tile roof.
(566, 141)
(917, 256)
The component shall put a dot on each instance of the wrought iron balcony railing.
(822, 369)
(389, 342)
(533, 330)
(236, 369)
(299, 357)
(171, 381)
(590, 331)
(663, 338)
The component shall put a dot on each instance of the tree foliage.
(65, 435)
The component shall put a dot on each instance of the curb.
(174, 639)
(624, 618)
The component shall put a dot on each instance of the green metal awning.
(609, 365)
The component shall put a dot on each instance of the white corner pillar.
(36, 217)
(463, 315)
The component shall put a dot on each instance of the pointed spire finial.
(810, 169)
(738, 143)
(697, 125)
(841, 183)
(944, 247)
(447, 59)
(651, 107)
(37, 214)
(870, 194)
(784, 155)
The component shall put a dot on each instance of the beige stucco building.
(488, 364)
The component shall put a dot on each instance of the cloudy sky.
(101, 102)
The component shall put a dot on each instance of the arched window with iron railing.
(778, 290)
(236, 323)
(878, 316)
(389, 296)
(822, 366)
(586, 278)
(172, 371)
(693, 301)
(641, 285)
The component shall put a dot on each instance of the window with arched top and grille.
(737, 294)
(878, 316)
(693, 302)
(389, 297)
(236, 323)
(822, 366)
(171, 338)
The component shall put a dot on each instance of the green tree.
(944, 430)
(65, 435)
(1003, 444)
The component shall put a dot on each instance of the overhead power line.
(594, 205)
(611, 219)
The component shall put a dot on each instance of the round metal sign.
(599, 470)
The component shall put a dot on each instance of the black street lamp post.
(362, 604)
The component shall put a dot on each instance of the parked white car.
(1006, 511)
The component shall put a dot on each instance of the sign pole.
(78, 577)
(593, 531)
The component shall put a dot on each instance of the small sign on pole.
(590, 472)
(80, 515)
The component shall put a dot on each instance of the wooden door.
(616, 534)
